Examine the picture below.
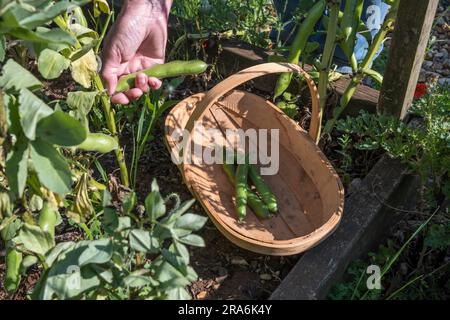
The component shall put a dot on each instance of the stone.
(444, 81)
(443, 72)
(444, 53)
(422, 76)
(427, 64)
(438, 66)
(265, 276)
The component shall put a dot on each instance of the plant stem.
(109, 112)
(373, 49)
(327, 56)
(111, 123)
(102, 36)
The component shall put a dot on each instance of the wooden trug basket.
(309, 192)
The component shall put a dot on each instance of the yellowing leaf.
(83, 68)
(101, 6)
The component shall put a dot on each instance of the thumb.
(110, 79)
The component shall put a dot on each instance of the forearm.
(151, 8)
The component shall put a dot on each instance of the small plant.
(423, 147)
(409, 267)
(142, 254)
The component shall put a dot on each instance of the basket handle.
(245, 75)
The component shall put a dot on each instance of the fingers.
(120, 98)
(154, 83)
(127, 96)
(134, 94)
(141, 82)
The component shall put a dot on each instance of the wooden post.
(412, 30)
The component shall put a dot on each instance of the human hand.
(136, 42)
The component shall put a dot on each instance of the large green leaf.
(178, 294)
(68, 285)
(155, 206)
(81, 101)
(82, 31)
(31, 111)
(51, 64)
(44, 16)
(9, 228)
(17, 167)
(16, 77)
(52, 169)
(72, 271)
(32, 14)
(61, 129)
(143, 241)
(35, 239)
(137, 279)
(191, 221)
(193, 240)
(44, 35)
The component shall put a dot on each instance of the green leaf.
(182, 251)
(169, 276)
(191, 221)
(17, 167)
(60, 248)
(81, 102)
(52, 169)
(181, 210)
(34, 239)
(178, 294)
(31, 111)
(74, 55)
(41, 17)
(110, 220)
(137, 280)
(44, 35)
(143, 241)
(61, 129)
(193, 240)
(9, 228)
(16, 77)
(106, 198)
(175, 260)
(81, 254)
(73, 270)
(51, 64)
(81, 31)
(129, 203)
(154, 203)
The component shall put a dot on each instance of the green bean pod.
(351, 22)
(299, 43)
(12, 277)
(161, 71)
(241, 190)
(347, 23)
(48, 219)
(258, 207)
(263, 189)
(98, 142)
(254, 202)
